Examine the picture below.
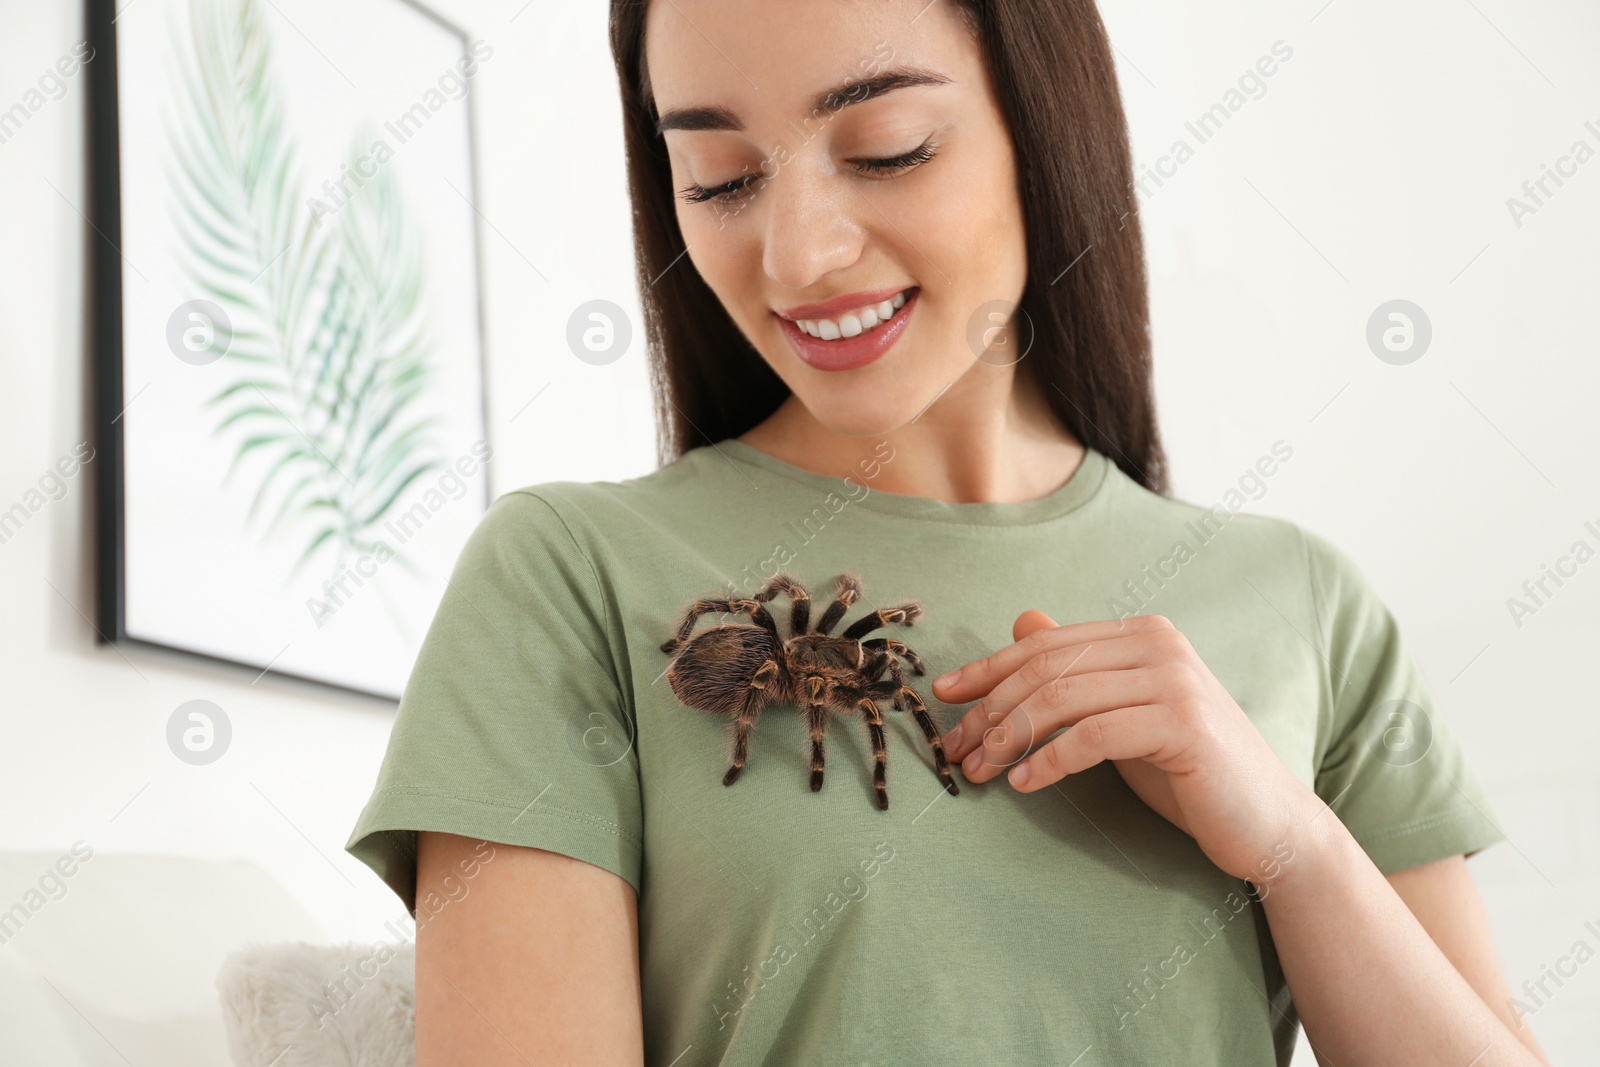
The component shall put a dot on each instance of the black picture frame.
(105, 344)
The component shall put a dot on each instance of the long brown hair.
(1051, 66)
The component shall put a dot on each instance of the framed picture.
(289, 391)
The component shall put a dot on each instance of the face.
(899, 197)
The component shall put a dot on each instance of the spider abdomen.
(713, 671)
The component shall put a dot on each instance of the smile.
(854, 338)
(855, 322)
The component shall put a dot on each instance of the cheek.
(727, 257)
(713, 249)
(980, 223)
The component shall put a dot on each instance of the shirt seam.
(1425, 822)
(554, 810)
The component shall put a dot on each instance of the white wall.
(1376, 165)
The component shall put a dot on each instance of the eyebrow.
(841, 96)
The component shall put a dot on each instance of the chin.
(849, 413)
(861, 404)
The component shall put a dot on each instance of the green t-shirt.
(782, 926)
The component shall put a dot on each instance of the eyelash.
(730, 191)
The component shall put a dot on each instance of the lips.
(840, 304)
(838, 352)
(857, 320)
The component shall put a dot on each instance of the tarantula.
(738, 669)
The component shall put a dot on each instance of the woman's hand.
(1134, 692)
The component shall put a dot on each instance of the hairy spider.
(737, 669)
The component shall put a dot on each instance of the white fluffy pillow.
(305, 1005)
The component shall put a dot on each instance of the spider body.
(735, 670)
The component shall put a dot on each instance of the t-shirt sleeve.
(1388, 764)
(512, 727)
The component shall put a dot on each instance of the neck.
(958, 452)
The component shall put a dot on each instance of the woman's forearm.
(1369, 984)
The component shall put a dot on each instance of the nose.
(812, 223)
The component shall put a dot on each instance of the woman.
(1181, 800)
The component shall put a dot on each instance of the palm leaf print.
(329, 355)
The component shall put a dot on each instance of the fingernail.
(945, 681)
(973, 761)
(952, 740)
(1019, 775)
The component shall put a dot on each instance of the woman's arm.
(1375, 983)
(1445, 901)
(1369, 983)
(536, 963)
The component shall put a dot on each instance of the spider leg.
(799, 600)
(880, 753)
(901, 615)
(849, 588)
(919, 711)
(905, 652)
(722, 606)
(754, 698)
(810, 698)
(874, 671)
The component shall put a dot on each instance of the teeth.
(854, 323)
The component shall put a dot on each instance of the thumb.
(1029, 621)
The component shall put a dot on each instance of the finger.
(1124, 733)
(976, 678)
(1029, 621)
(1047, 668)
(1051, 707)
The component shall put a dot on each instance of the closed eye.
(730, 192)
(916, 157)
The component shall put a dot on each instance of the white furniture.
(117, 961)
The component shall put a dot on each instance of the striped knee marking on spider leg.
(742, 726)
(799, 600)
(899, 682)
(899, 615)
(919, 711)
(816, 716)
(880, 751)
(848, 590)
(904, 651)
